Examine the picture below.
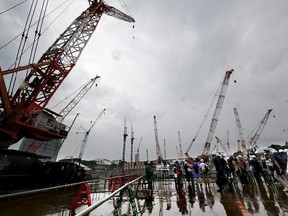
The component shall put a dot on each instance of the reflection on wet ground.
(253, 199)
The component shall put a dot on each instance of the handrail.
(97, 204)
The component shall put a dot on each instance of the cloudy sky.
(169, 65)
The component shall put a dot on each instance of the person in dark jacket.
(220, 165)
(256, 168)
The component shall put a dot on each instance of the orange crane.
(215, 117)
(240, 132)
(32, 145)
(23, 113)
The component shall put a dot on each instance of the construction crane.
(202, 123)
(85, 139)
(240, 132)
(158, 150)
(22, 112)
(228, 143)
(132, 142)
(125, 134)
(217, 111)
(180, 145)
(223, 146)
(259, 130)
(137, 151)
(165, 152)
(32, 145)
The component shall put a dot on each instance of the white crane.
(240, 132)
(259, 130)
(214, 121)
(84, 142)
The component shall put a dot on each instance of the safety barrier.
(120, 190)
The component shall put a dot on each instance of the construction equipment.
(165, 152)
(259, 130)
(223, 146)
(23, 113)
(180, 145)
(158, 150)
(137, 151)
(32, 145)
(125, 134)
(202, 122)
(228, 143)
(132, 141)
(85, 139)
(217, 111)
(240, 132)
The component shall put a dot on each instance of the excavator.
(23, 112)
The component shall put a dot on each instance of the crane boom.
(240, 131)
(84, 142)
(260, 128)
(158, 150)
(180, 145)
(217, 111)
(46, 76)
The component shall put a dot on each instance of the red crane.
(217, 111)
(23, 113)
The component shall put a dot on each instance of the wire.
(12, 7)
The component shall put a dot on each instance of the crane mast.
(240, 132)
(84, 142)
(217, 111)
(260, 128)
(46, 76)
(158, 150)
(132, 142)
(165, 152)
(138, 149)
(180, 145)
(125, 134)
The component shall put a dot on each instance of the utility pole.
(147, 154)
(125, 134)
(132, 141)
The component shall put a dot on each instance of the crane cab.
(45, 126)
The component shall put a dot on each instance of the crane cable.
(18, 55)
(37, 40)
(204, 118)
(12, 7)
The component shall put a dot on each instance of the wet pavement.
(253, 199)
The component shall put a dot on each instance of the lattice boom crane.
(217, 111)
(17, 116)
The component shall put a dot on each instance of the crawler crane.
(23, 113)
(217, 111)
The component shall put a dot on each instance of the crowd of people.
(270, 167)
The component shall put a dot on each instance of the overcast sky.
(169, 65)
